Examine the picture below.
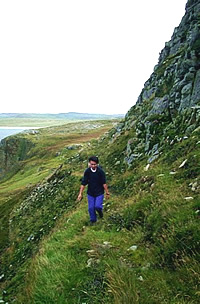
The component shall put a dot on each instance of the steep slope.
(30, 164)
(146, 249)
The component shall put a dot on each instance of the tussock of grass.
(120, 279)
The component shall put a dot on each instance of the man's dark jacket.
(95, 181)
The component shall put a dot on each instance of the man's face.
(93, 164)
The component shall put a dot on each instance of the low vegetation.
(145, 250)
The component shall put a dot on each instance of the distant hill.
(69, 116)
(49, 119)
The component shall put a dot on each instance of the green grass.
(38, 165)
(164, 267)
(146, 275)
(49, 233)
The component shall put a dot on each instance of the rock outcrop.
(175, 82)
(13, 150)
(169, 104)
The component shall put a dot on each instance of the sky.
(84, 56)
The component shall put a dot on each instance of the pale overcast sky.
(80, 55)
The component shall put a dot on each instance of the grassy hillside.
(145, 250)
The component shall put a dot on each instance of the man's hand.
(79, 198)
(107, 195)
(106, 190)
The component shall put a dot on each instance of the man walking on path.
(95, 178)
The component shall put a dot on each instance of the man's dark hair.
(94, 158)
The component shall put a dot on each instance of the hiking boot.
(92, 223)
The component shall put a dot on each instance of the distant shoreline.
(10, 131)
(20, 128)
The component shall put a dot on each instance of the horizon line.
(71, 112)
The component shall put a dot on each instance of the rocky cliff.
(175, 83)
(168, 107)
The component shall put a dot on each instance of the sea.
(7, 131)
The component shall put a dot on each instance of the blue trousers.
(94, 204)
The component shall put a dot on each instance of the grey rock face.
(196, 89)
(186, 96)
(152, 158)
(177, 70)
(159, 105)
(169, 103)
